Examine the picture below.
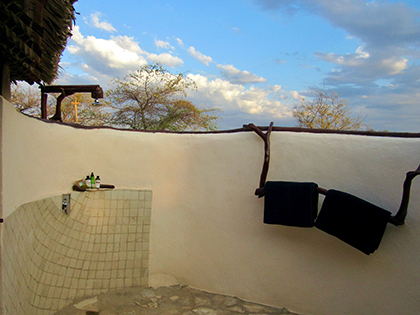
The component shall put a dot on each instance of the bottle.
(87, 181)
(98, 182)
(92, 180)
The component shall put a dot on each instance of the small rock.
(169, 312)
(201, 302)
(148, 293)
(236, 309)
(142, 302)
(205, 311)
(88, 305)
(184, 301)
(174, 298)
(152, 305)
(219, 299)
(254, 308)
(230, 301)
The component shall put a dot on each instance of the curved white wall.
(207, 228)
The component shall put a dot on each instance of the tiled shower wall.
(51, 258)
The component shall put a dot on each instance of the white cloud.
(66, 78)
(180, 42)
(235, 76)
(109, 56)
(394, 64)
(362, 67)
(388, 30)
(127, 43)
(165, 59)
(113, 57)
(199, 56)
(94, 21)
(356, 59)
(361, 53)
(350, 60)
(296, 96)
(222, 94)
(237, 30)
(163, 44)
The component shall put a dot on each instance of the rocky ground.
(173, 300)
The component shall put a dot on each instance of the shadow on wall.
(53, 258)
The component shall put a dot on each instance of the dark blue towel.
(353, 220)
(290, 203)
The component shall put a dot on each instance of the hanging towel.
(353, 220)
(290, 203)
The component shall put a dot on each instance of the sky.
(255, 59)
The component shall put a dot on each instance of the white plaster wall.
(207, 228)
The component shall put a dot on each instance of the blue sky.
(255, 59)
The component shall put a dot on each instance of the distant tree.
(79, 108)
(152, 98)
(326, 111)
(27, 100)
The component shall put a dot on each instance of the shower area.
(51, 258)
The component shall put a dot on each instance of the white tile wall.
(50, 258)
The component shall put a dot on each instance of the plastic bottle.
(87, 181)
(98, 182)
(92, 180)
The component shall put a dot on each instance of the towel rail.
(266, 138)
(396, 220)
(399, 218)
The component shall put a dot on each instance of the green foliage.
(326, 111)
(154, 99)
(87, 114)
(151, 99)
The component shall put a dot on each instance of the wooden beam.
(66, 90)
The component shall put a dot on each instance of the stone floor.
(173, 300)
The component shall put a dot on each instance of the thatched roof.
(33, 35)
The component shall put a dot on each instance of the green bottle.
(92, 180)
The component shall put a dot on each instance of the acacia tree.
(326, 111)
(152, 98)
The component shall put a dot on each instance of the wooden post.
(44, 98)
(5, 81)
(75, 103)
(399, 218)
(266, 137)
(66, 90)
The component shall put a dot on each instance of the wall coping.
(245, 128)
